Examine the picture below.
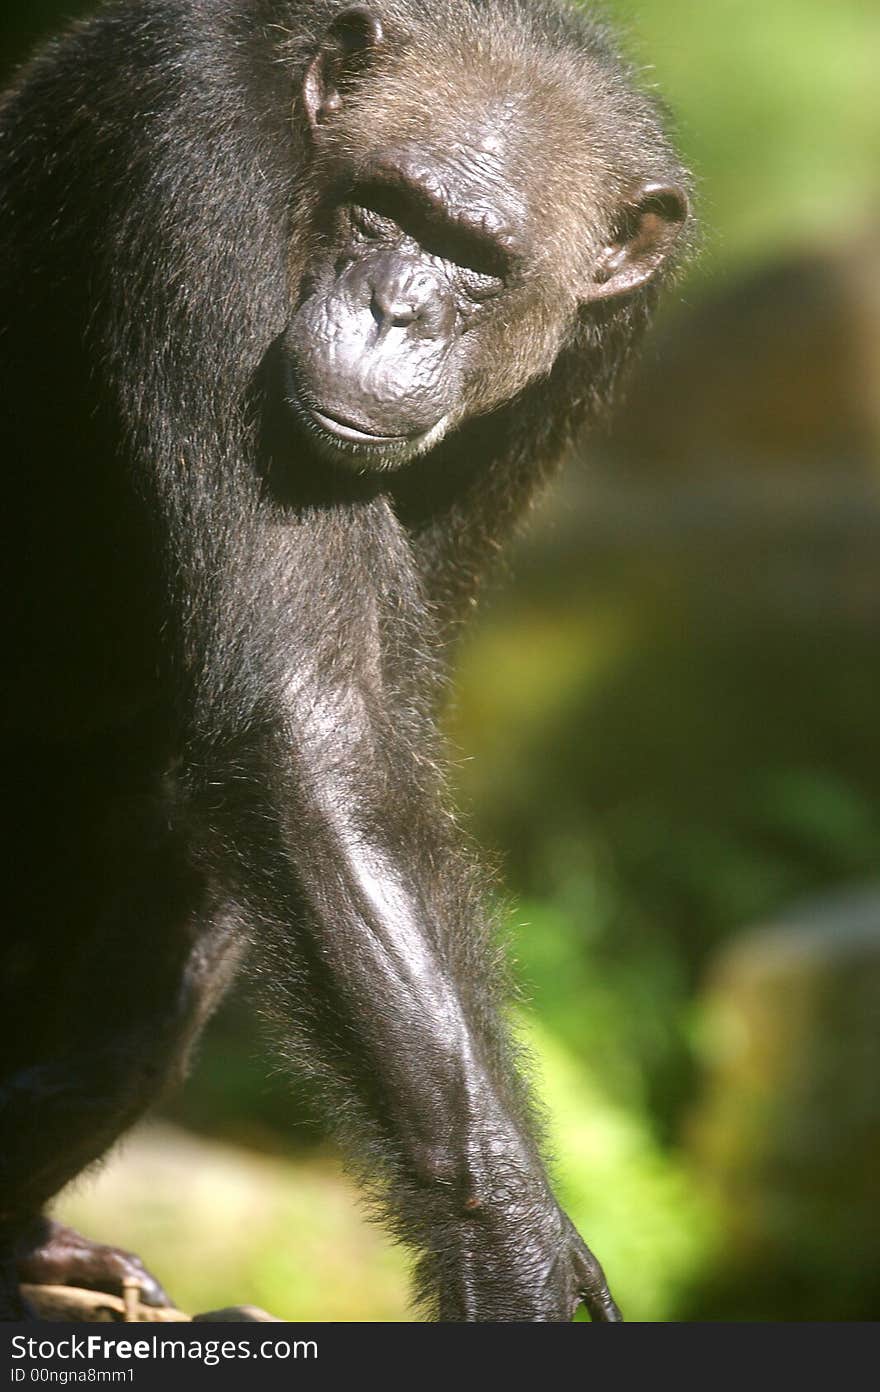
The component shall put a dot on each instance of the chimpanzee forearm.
(400, 1025)
(378, 943)
(420, 1046)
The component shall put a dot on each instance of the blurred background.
(666, 732)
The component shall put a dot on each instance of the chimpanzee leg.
(65, 1112)
(92, 1033)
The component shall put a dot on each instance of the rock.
(788, 1131)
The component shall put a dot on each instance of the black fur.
(226, 651)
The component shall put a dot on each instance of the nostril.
(393, 313)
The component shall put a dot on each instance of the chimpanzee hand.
(538, 1269)
(591, 1288)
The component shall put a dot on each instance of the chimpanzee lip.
(347, 430)
(348, 442)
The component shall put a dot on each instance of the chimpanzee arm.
(325, 799)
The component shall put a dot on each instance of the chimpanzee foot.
(51, 1255)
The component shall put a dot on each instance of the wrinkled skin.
(300, 303)
(378, 351)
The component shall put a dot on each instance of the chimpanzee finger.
(594, 1292)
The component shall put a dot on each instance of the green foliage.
(695, 775)
(777, 111)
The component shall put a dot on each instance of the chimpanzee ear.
(347, 45)
(647, 230)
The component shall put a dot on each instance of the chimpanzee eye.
(478, 285)
(369, 223)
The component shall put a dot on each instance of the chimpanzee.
(301, 300)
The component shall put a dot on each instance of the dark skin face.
(427, 256)
(380, 347)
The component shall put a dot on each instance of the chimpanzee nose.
(393, 311)
(401, 294)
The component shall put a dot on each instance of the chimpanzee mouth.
(341, 438)
(356, 434)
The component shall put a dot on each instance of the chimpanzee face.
(440, 287)
(387, 336)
